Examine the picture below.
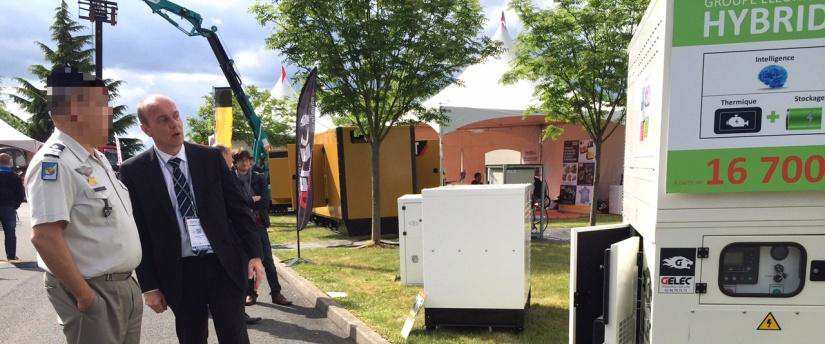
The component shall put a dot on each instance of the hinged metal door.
(620, 315)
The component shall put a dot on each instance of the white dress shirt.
(166, 168)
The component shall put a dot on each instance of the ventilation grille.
(627, 330)
(649, 50)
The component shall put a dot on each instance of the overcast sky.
(151, 56)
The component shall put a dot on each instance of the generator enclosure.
(341, 178)
(281, 184)
(724, 183)
(410, 236)
(477, 255)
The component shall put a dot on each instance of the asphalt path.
(26, 316)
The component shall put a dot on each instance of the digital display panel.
(734, 258)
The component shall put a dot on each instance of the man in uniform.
(83, 230)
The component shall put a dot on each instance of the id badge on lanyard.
(197, 237)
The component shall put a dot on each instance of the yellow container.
(342, 178)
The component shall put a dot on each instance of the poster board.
(578, 171)
(747, 97)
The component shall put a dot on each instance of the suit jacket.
(260, 187)
(12, 192)
(224, 215)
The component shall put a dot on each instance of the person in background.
(255, 184)
(81, 216)
(12, 195)
(230, 162)
(476, 179)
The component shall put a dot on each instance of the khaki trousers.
(114, 317)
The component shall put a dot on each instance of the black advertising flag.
(304, 136)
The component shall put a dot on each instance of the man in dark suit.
(256, 187)
(184, 199)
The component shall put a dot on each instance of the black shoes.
(279, 299)
(251, 320)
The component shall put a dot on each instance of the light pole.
(99, 12)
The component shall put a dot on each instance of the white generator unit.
(477, 255)
(724, 196)
(410, 236)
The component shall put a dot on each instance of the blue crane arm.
(164, 8)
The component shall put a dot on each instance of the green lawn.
(601, 219)
(368, 277)
(282, 231)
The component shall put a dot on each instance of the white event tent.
(11, 137)
(480, 95)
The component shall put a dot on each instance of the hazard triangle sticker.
(769, 324)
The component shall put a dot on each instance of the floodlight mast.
(99, 12)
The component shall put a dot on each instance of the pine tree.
(71, 50)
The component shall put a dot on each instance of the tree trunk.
(376, 192)
(594, 206)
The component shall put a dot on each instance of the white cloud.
(217, 4)
(249, 59)
(215, 21)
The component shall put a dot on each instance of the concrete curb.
(346, 323)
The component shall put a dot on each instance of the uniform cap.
(69, 76)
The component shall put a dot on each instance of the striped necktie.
(186, 206)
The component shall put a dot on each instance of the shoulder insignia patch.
(54, 150)
(48, 170)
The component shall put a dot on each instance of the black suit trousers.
(208, 289)
(269, 266)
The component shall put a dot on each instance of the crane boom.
(165, 9)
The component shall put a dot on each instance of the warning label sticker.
(769, 324)
(677, 271)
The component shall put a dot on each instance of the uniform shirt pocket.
(92, 205)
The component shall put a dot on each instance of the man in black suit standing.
(184, 199)
(255, 185)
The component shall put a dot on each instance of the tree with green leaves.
(277, 118)
(71, 49)
(12, 120)
(576, 53)
(377, 60)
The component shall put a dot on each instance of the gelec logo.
(679, 262)
(677, 270)
(676, 281)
